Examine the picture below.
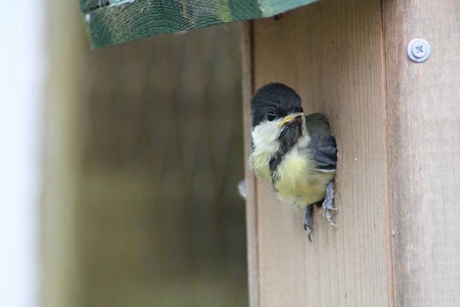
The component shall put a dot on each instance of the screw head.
(418, 50)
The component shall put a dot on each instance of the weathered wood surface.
(251, 201)
(330, 53)
(397, 125)
(424, 151)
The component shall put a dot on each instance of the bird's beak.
(290, 118)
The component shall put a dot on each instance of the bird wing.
(322, 144)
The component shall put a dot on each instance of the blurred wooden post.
(61, 284)
(397, 125)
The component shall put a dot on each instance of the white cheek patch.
(265, 136)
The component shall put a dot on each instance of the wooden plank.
(331, 53)
(424, 152)
(251, 203)
(61, 277)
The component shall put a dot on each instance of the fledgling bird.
(296, 154)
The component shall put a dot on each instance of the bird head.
(278, 118)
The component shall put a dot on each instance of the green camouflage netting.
(117, 21)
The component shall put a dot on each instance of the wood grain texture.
(331, 53)
(397, 125)
(251, 201)
(424, 151)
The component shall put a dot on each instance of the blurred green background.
(144, 151)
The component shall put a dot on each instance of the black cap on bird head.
(274, 98)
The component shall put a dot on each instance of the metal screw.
(418, 50)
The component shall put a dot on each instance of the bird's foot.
(328, 203)
(308, 220)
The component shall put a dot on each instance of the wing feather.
(322, 144)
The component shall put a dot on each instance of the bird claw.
(328, 203)
(308, 229)
(329, 217)
(328, 207)
(307, 221)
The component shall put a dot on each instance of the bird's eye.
(271, 116)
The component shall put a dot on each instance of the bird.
(295, 153)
